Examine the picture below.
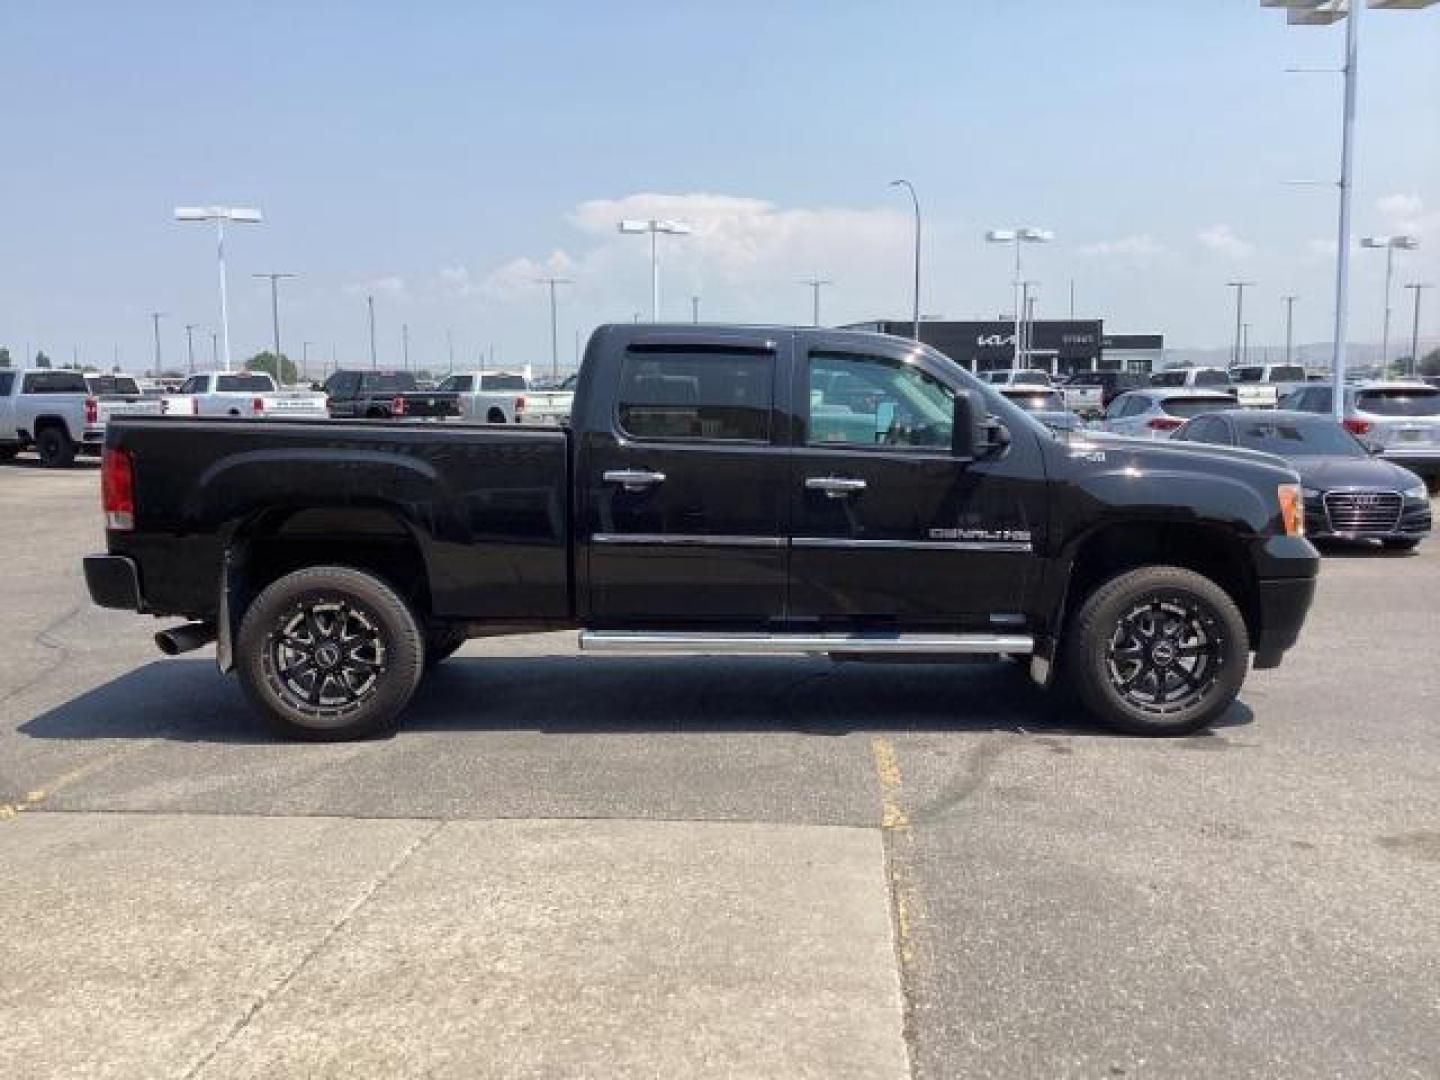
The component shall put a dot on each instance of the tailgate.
(297, 401)
(106, 407)
(419, 403)
(1257, 395)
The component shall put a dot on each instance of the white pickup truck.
(1247, 395)
(501, 397)
(59, 414)
(251, 394)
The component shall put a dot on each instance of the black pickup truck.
(385, 395)
(721, 490)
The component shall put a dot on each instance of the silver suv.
(1400, 420)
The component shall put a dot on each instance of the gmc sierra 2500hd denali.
(721, 490)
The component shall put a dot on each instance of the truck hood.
(1167, 455)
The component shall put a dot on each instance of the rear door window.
(54, 382)
(709, 395)
(245, 384)
(1399, 401)
(7, 380)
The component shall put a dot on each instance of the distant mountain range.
(1311, 354)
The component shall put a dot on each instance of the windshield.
(249, 384)
(502, 382)
(1400, 401)
(1297, 437)
(1187, 407)
(384, 382)
(1210, 377)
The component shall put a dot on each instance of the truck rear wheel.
(54, 447)
(330, 653)
(1159, 650)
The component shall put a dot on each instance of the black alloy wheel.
(329, 653)
(1158, 650)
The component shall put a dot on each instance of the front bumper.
(1414, 523)
(114, 582)
(1286, 571)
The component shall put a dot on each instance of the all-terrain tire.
(1159, 650)
(330, 653)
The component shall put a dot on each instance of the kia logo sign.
(995, 339)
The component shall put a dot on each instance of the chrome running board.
(647, 641)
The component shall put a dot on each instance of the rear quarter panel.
(489, 510)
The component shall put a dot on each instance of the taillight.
(1357, 427)
(519, 405)
(92, 411)
(397, 407)
(257, 406)
(1164, 423)
(117, 489)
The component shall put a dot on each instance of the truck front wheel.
(1159, 650)
(330, 653)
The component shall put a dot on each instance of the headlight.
(1292, 509)
(1417, 494)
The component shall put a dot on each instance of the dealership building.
(1061, 346)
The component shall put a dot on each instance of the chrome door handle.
(633, 479)
(835, 487)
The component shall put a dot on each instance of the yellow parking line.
(895, 824)
(887, 768)
(36, 796)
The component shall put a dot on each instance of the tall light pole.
(554, 324)
(655, 227)
(1389, 243)
(190, 329)
(816, 284)
(1027, 306)
(915, 311)
(305, 359)
(450, 348)
(694, 309)
(1018, 237)
(405, 344)
(1415, 327)
(214, 350)
(155, 317)
(1239, 287)
(1324, 13)
(275, 310)
(220, 215)
(1289, 325)
(370, 308)
(1245, 343)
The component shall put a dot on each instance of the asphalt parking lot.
(693, 867)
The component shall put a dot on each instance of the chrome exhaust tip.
(183, 639)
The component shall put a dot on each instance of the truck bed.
(487, 509)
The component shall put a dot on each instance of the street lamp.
(1323, 13)
(1415, 326)
(1289, 324)
(155, 317)
(220, 215)
(915, 199)
(1239, 287)
(275, 312)
(1017, 237)
(655, 227)
(554, 325)
(816, 284)
(1389, 243)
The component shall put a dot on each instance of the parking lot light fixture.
(1323, 13)
(655, 226)
(1018, 236)
(1239, 287)
(915, 200)
(220, 215)
(1418, 286)
(1389, 243)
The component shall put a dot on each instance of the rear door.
(682, 492)
(889, 529)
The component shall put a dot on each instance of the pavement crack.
(58, 652)
(281, 984)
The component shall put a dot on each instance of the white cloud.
(1222, 240)
(520, 276)
(1406, 214)
(391, 285)
(1140, 246)
(1321, 247)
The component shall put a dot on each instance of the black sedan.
(1349, 494)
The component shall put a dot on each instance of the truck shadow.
(186, 701)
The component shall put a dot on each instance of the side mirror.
(975, 433)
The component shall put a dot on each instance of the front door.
(889, 528)
(683, 498)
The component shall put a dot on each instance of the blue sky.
(441, 156)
